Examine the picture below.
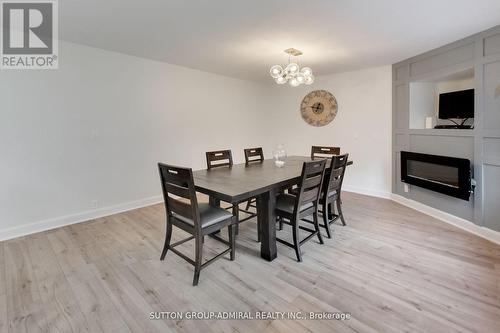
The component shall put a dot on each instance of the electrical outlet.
(94, 203)
(406, 188)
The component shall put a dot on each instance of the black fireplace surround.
(443, 174)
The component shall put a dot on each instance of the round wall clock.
(318, 108)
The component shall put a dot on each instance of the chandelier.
(292, 73)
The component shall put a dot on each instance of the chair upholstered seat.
(286, 202)
(209, 215)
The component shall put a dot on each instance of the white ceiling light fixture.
(292, 73)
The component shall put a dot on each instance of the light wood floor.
(393, 269)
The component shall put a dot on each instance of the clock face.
(319, 108)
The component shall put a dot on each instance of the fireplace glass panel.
(436, 173)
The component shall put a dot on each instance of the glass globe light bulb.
(280, 80)
(276, 71)
(309, 79)
(292, 68)
(294, 82)
(306, 71)
(301, 78)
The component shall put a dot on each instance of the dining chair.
(197, 219)
(322, 152)
(224, 158)
(331, 193)
(253, 155)
(291, 209)
(219, 158)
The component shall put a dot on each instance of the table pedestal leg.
(266, 204)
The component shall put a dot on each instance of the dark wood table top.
(241, 181)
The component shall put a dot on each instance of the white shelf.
(442, 132)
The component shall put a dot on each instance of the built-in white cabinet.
(470, 63)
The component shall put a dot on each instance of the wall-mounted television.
(457, 104)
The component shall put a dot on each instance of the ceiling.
(243, 38)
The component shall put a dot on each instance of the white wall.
(92, 133)
(362, 126)
(83, 141)
(422, 103)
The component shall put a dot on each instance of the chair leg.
(296, 242)
(316, 226)
(248, 204)
(168, 236)
(331, 211)
(326, 221)
(236, 212)
(198, 259)
(280, 223)
(232, 239)
(339, 210)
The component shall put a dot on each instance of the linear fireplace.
(448, 175)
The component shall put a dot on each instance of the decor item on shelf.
(279, 155)
(430, 122)
(319, 108)
(292, 73)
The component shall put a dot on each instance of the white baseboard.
(76, 218)
(32, 228)
(365, 191)
(459, 222)
(491, 235)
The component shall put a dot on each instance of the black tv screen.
(457, 104)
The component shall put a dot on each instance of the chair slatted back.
(179, 192)
(311, 182)
(322, 152)
(254, 155)
(219, 158)
(337, 171)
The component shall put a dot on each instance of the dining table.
(263, 181)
